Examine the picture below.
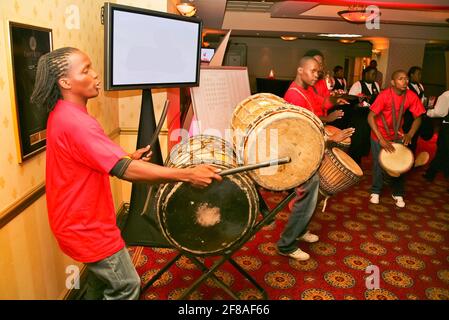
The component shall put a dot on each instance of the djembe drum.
(338, 172)
(398, 162)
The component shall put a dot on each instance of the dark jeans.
(300, 217)
(379, 175)
(113, 278)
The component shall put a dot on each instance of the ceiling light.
(347, 41)
(289, 38)
(186, 9)
(339, 35)
(358, 15)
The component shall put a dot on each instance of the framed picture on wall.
(28, 44)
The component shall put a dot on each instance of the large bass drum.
(266, 127)
(212, 220)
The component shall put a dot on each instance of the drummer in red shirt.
(301, 94)
(323, 100)
(386, 128)
(80, 158)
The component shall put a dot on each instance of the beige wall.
(403, 54)
(31, 264)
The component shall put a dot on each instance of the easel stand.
(268, 217)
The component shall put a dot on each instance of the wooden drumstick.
(255, 166)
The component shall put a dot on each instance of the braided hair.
(50, 68)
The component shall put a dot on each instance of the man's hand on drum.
(342, 135)
(406, 139)
(143, 154)
(202, 175)
(386, 145)
(341, 101)
(334, 115)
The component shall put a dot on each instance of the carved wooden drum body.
(338, 172)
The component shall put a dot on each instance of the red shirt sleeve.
(416, 107)
(378, 104)
(94, 148)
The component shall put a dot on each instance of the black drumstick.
(159, 127)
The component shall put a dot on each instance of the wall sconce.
(186, 8)
(376, 52)
(271, 75)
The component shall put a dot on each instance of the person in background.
(367, 87)
(379, 75)
(441, 160)
(339, 78)
(367, 90)
(385, 119)
(79, 160)
(426, 128)
(301, 93)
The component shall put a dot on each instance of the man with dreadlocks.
(80, 158)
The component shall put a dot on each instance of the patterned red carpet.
(409, 249)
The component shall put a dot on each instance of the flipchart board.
(221, 90)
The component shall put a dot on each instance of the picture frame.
(28, 44)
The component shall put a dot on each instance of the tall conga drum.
(338, 172)
(266, 127)
(211, 220)
(398, 162)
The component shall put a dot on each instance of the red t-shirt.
(79, 200)
(306, 98)
(383, 105)
(323, 95)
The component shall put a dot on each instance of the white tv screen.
(147, 49)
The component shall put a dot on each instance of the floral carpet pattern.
(365, 251)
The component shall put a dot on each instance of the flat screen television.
(150, 49)
(207, 54)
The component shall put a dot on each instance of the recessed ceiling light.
(339, 35)
(289, 38)
(347, 41)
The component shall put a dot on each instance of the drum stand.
(268, 217)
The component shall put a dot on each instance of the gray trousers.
(300, 217)
(113, 278)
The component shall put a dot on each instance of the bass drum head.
(284, 134)
(207, 221)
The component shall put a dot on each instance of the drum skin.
(266, 127)
(338, 172)
(398, 162)
(211, 220)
